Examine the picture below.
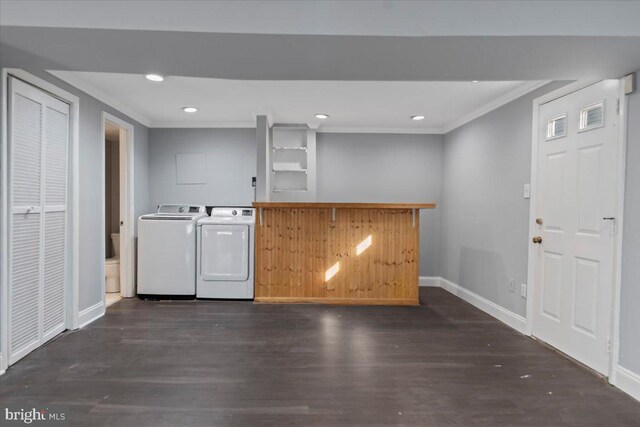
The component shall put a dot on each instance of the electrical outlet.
(523, 290)
(512, 284)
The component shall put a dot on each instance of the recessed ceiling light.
(418, 117)
(474, 81)
(155, 77)
(322, 116)
(189, 109)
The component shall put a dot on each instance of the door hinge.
(618, 107)
(609, 345)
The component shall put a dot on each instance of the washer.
(225, 254)
(167, 251)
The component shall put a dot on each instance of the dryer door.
(225, 252)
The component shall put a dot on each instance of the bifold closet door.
(38, 176)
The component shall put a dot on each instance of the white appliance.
(225, 254)
(167, 251)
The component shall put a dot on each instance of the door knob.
(537, 239)
(539, 221)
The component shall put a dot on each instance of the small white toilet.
(112, 266)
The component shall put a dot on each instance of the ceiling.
(329, 40)
(323, 57)
(336, 17)
(369, 64)
(352, 106)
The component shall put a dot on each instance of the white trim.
(512, 95)
(391, 130)
(531, 262)
(429, 281)
(203, 124)
(621, 188)
(98, 94)
(2, 368)
(507, 317)
(127, 188)
(627, 381)
(72, 303)
(92, 313)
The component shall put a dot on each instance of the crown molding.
(101, 96)
(512, 95)
(202, 124)
(349, 129)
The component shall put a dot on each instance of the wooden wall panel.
(295, 247)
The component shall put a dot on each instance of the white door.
(575, 210)
(38, 175)
(225, 252)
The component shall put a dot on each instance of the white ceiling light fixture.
(189, 109)
(155, 77)
(417, 117)
(322, 116)
(474, 81)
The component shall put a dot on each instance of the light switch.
(527, 191)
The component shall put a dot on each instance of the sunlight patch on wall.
(331, 271)
(364, 245)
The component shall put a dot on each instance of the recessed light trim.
(417, 117)
(475, 81)
(322, 116)
(155, 77)
(189, 109)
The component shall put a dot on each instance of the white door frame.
(73, 286)
(620, 180)
(127, 239)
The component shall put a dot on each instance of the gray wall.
(630, 292)
(91, 163)
(484, 216)
(231, 162)
(386, 168)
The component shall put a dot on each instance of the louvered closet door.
(38, 165)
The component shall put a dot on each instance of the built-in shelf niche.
(292, 163)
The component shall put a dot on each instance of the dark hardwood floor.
(242, 364)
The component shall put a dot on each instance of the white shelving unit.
(292, 163)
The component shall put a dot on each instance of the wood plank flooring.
(212, 363)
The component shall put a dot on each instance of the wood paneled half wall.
(337, 253)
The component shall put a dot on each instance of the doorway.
(574, 223)
(118, 232)
(112, 213)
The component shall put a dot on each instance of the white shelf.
(291, 148)
(275, 190)
(289, 170)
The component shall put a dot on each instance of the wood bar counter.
(337, 253)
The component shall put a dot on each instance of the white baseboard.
(624, 379)
(429, 281)
(2, 370)
(507, 317)
(90, 314)
(627, 381)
